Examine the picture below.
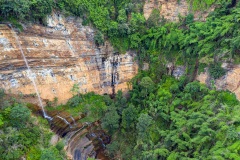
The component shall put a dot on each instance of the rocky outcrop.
(230, 81)
(171, 9)
(60, 55)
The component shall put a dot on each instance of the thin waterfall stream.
(74, 122)
(65, 121)
(83, 139)
(30, 73)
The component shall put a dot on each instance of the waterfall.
(100, 139)
(70, 47)
(73, 120)
(30, 73)
(64, 120)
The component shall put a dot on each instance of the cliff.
(230, 81)
(61, 54)
(171, 9)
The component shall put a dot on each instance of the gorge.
(61, 54)
(130, 79)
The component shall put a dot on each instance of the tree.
(99, 38)
(110, 122)
(121, 102)
(129, 117)
(47, 154)
(75, 89)
(137, 22)
(154, 18)
(3, 102)
(50, 154)
(113, 29)
(41, 8)
(147, 86)
(12, 8)
(19, 115)
(144, 122)
(112, 148)
(122, 16)
(1, 121)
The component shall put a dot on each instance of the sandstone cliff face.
(230, 81)
(61, 55)
(170, 9)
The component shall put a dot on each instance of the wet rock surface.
(179, 71)
(60, 55)
(82, 139)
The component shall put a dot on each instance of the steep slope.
(61, 55)
(230, 81)
(171, 9)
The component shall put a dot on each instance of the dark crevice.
(114, 74)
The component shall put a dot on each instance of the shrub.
(216, 71)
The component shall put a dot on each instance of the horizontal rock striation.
(60, 55)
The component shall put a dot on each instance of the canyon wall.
(230, 81)
(61, 54)
(171, 9)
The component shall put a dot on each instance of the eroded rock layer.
(61, 55)
(171, 9)
(230, 81)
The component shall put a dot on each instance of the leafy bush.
(29, 10)
(60, 145)
(216, 71)
(99, 38)
(19, 116)
(74, 101)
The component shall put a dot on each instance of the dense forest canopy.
(163, 117)
(24, 135)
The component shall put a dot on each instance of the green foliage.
(74, 101)
(34, 154)
(19, 116)
(179, 121)
(75, 89)
(201, 4)
(112, 148)
(30, 9)
(90, 104)
(147, 86)
(129, 117)
(41, 8)
(137, 21)
(216, 71)
(110, 122)
(99, 38)
(122, 16)
(144, 121)
(228, 98)
(154, 19)
(163, 118)
(47, 154)
(3, 102)
(50, 154)
(19, 134)
(60, 145)
(1, 121)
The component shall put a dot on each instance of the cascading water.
(70, 47)
(64, 120)
(73, 120)
(100, 139)
(30, 73)
(80, 145)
